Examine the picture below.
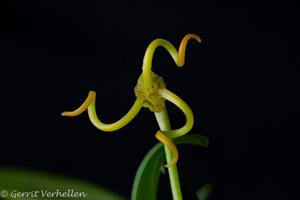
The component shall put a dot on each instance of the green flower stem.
(164, 125)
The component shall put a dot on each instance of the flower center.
(150, 95)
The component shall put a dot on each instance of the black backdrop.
(242, 83)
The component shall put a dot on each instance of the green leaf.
(17, 180)
(147, 176)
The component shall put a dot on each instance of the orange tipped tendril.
(89, 104)
(91, 97)
(182, 47)
(169, 143)
(178, 56)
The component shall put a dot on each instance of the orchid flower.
(151, 92)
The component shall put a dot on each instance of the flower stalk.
(164, 125)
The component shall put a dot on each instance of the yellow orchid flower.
(151, 93)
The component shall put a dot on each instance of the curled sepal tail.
(89, 104)
(172, 147)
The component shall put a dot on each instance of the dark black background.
(242, 83)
